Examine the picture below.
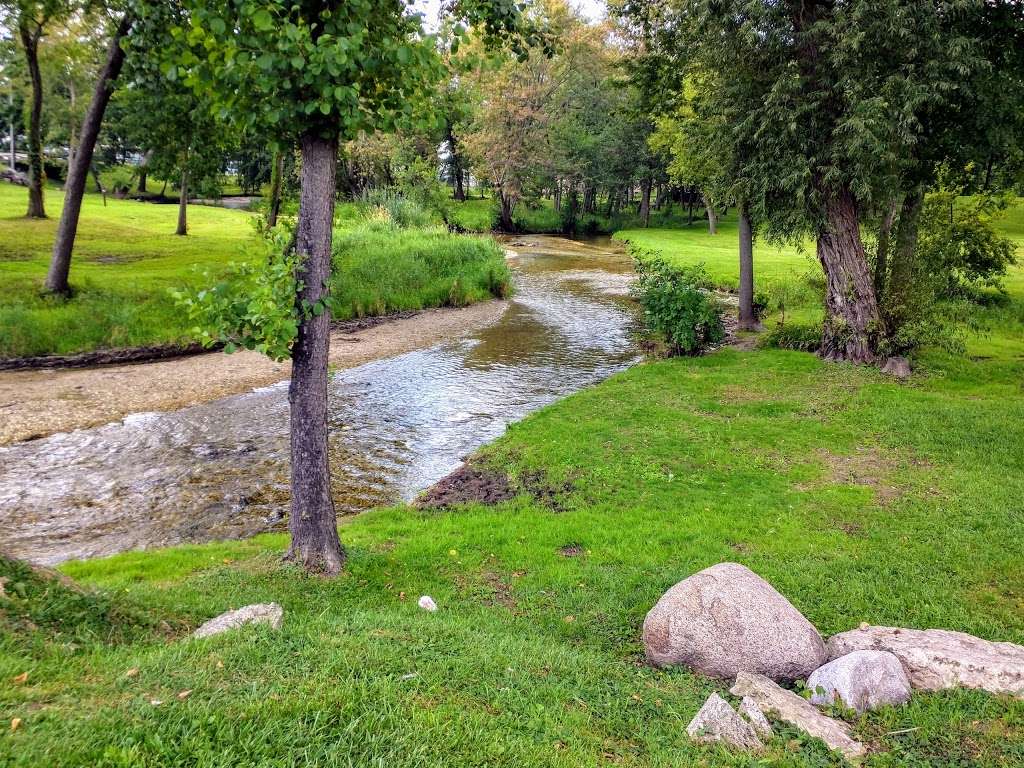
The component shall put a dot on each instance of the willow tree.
(313, 74)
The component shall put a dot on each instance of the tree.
(32, 18)
(313, 73)
(80, 164)
(825, 100)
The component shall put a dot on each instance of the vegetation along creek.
(220, 469)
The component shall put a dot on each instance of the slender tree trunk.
(748, 320)
(558, 196)
(900, 283)
(882, 256)
(36, 171)
(99, 184)
(144, 170)
(11, 148)
(183, 202)
(852, 322)
(74, 189)
(645, 203)
(313, 523)
(689, 208)
(709, 206)
(277, 171)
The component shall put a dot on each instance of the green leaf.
(262, 20)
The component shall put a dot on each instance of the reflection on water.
(220, 469)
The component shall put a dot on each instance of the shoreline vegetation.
(128, 260)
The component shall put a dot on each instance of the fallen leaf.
(20, 679)
(155, 702)
(220, 664)
(569, 619)
(182, 695)
(133, 672)
(15, 724)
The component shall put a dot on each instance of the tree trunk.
(852, 320)
(901, 271)
(144, 170)
(505, 222)
(645, 203)
(748, 320)
(11, 148)
(74, 189)
(276, 172)
(36, 171)
(99, 184)
(882, 255)
(313, 524)
(689, 208)
(709, 206)
(183, 204)
(558, 196)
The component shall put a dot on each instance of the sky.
(592, 9)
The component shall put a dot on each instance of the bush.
(804, 337)
(677, 304)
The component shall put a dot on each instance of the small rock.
(753, 713)
(936, 659)
(787, 706)
(862, 680)
(727, 619)
(427, 603)
(717, 721)
(260, 613)
(898, 367)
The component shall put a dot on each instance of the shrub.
(677, 304)
(804, 337)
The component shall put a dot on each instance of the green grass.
(860, 499)
(423, 268)
(127, 258)
(784, 272)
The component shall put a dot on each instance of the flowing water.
(220, 470)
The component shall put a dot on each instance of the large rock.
(718, 721)
(787, 706)
(938, 658)
(726, 619)
(260, 613)
(861, 680)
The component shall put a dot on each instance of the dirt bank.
(39, 403)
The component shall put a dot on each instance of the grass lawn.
(127, 258)
(781, 272)
(859, 498)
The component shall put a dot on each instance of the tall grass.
(381, 269)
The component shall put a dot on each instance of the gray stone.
(898, 367)
(727, 619)
(862, 680)
(787, 706)
(936, 659)
(717, 721)
(753, 713)
(260, 613)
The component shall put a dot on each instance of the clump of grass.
(380, 269)
(42, 607)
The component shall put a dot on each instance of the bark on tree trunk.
(645, 203)
(183, 203)
(901, 270)
(852, 322)
(275, 188)
(748, 320)
(505, 223)
(709, 206)
(313, 524)
(74, 189)
(36, 171)
(882, 255)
